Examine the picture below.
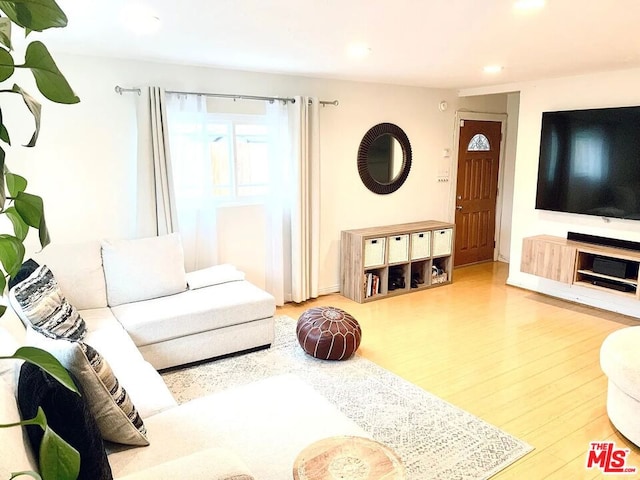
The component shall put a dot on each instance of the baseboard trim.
(329, 290)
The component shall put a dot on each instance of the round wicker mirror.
(384, 158)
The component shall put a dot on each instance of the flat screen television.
(589, 162)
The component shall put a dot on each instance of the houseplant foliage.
(57, 459)
(23, 209)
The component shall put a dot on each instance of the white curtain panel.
(164, 194)
(156, 214)
(305, 211)
(278, 256)
(294, 210)
(193, 179)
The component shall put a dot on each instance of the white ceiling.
(432, 43)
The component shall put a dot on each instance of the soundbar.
(605, 241)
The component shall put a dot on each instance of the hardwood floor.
(524, 362)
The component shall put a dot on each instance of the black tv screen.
(589, 162)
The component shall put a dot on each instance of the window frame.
(232, 120)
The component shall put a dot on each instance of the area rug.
(434, 439)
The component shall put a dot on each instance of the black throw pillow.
(68, 415)
(25, 271)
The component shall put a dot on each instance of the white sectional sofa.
(173, 317)
(250, 432)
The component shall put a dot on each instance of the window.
(479, 143)
(237, 151)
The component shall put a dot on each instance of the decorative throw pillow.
(116, 415)
(25, 272)
(39, 301)
(143, 268)
(68, 415)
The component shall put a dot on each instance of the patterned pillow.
(39, 301)
(117, 417)
(25, 271)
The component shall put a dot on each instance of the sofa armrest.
(215, 275)
(209, 464)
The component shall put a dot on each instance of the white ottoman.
(620, 361)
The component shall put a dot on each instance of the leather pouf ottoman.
(620, 361)
(328, 333)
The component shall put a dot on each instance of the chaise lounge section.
(173, 317)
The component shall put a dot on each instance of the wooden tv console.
(572, 262)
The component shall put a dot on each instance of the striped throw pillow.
(39, 301)
(117, 417)
(118, 395)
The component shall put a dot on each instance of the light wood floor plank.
(525, 362)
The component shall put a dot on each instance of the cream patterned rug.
(435, 439)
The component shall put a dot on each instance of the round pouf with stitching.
(328, 333)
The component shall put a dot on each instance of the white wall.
(588, 91)
(85, 163)
(507, 175)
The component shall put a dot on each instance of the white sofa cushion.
(207, 277)
(267, 423)
(144, 384)
(212, 464)
(15, 454)
(78, 270)
(143, 268)
(194, 311)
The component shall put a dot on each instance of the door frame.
(490, 117)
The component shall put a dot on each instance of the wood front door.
(476, 191)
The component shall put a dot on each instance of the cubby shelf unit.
(394, 257)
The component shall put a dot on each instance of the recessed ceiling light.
(493, 69)
(528, 4)
(358, 50)
(140, 18)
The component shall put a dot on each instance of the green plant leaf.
(20, 229)
(3, 195)
(4, 134)
(25, 474)
(15, 183)
(58, 460)
(5, 32)
(7, 65)
(30, 208)
(43, 233)
(36, 110)
(49, 79)
(34, 15)
(3, 308)
(11, 254)
(3, 283)
(47, 362)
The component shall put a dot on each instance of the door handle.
(458, 207)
